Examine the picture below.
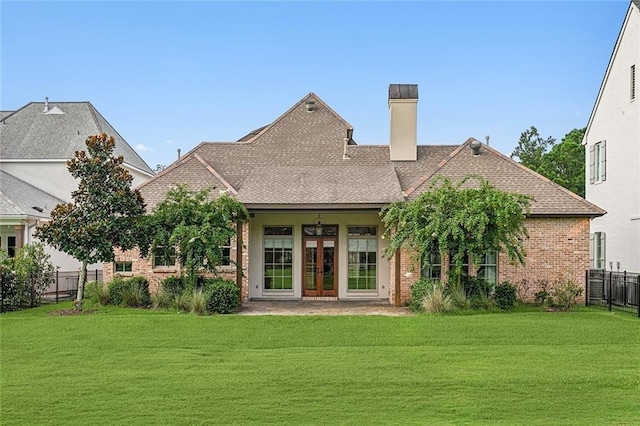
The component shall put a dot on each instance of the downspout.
(397, 298)
(239, 258)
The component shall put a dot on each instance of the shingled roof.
(55, 134)
(19, 199)
(298, 162)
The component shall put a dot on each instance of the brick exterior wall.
(557, 249)
(155, 276)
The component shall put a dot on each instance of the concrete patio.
(315, 307)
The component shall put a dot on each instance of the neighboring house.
(612, 142)
(35, 143)
(314, 198)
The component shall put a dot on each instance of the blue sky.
(170, 75)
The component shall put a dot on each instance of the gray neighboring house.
(35, 143)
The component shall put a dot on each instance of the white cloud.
(169, 142)
(142, 148)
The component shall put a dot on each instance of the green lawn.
(123, 366)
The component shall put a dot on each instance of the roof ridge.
(440, 165)
(297, 104)
(184, 159)
(94, 114)
(216, 174)
(545, 179)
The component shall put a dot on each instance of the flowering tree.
(196, 225)
(104, 214)
(468, 218)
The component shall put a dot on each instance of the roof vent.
(475, 147)
(46, 104)
(311, 105)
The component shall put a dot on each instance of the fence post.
(638, 294)
(33, 290)
(610, 289)
(625, 291)
(57, 283)
(2, 290)
(586, 288)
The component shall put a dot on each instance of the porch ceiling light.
(319, 229)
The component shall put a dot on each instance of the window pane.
(278, 270)
(362, 268)
(278, 230)
(362, 230)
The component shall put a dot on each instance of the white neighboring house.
(612, 142)
(35, 143)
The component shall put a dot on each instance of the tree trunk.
(81, 281)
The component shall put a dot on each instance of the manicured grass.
(121, 366)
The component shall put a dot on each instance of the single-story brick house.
(314, 196)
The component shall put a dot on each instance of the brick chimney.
(403, 112)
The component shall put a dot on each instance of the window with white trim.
(488, 269)
(362, 243)
(598, 162)
(278, 258)
(597, 251)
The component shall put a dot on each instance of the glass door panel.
(311, 265)
(328, 269)
(319, 267)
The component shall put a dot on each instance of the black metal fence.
(19, 293)
(618, 291)
(65, 284)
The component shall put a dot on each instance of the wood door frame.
(320, 291)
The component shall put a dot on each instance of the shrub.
(97, 293)
(199, 303)
(483, 302)
(8, 282)
(173, 286)
(474, 286)
(223, 297)
(419, 290)
(436, 301)
(25, 277)
(134, 296)
(505, 295)
(523, 289)
(459, 297)
(140, 286)
(116, 288)
(182, 301)
(564, 294)
(160, 300)
(133, 292)
(542, 295)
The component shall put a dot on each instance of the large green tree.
(565, 163)
(196, 225)
(105, 211)
(470, 218)
(531, 148)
